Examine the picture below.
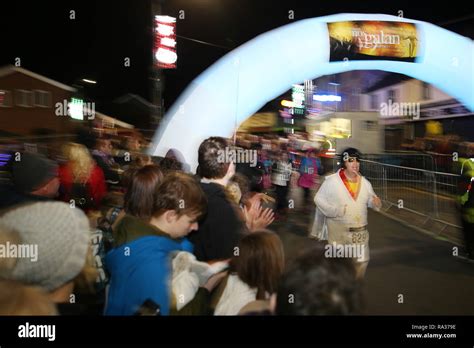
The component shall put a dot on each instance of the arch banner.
(241, 82)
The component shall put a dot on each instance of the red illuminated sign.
(165, 42)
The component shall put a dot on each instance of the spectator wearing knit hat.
(34, 178)
(55, 243)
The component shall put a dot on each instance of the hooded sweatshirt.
(140, 267)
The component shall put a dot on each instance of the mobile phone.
(148, 308)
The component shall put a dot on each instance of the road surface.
(403, 262)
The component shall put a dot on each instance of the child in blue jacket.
(140, 263)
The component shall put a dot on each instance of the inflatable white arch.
(241, 82)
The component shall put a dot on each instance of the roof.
(389, 80)
(10, 69)
(112, 120)
(130, 97)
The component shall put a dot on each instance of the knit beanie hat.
(32, 171)
(61, 237)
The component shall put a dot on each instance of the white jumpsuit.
(333, 224)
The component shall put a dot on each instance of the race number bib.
(360, 237)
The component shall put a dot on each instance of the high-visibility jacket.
(466, 194)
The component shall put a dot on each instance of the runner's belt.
(358, 229)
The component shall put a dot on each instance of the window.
(392, 95)
(371, 125)
(426, 91)
(24, 98)
(42, 98)
(374, 102)
(5, 98)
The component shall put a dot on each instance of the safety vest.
(465, 198)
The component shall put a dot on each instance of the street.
(403, 262)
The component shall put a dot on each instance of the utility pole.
(156, 75)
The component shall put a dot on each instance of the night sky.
(95, 43)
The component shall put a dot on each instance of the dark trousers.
(282, 194)
(306, 196)
(468, 231)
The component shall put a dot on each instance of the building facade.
(411, 109)
(28, 103)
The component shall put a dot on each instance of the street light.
(89, 81)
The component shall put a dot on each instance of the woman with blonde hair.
(82, 180)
